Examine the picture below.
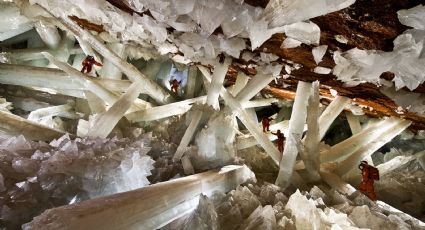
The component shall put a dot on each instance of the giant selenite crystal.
(295, 131)
(220, 70)
(310, 154)
(150, 208)
(286, 12)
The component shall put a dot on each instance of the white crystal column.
(106, 95)
(377, 142)
(331, 113)
(48, 33)
(354, 123)
(345, 148)
(354, 176)
(337, 183)
(253, 87)
(251, 112)
(12, 23)
(16, 125)
(153, 90)
(220, 71)
(30, 54)
(259, 103)
(191, 82)
(105, 122)
(48, 112)
(109, 70)
(251, 125)
(355, 127)
(96, 104)
(241, 81)
(51, 78)
(150, 207)
(188, 135)
(293, 139)
(310, 154)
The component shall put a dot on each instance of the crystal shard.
(293, 138)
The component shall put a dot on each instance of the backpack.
(373, 173)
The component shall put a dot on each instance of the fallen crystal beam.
(255, 85)
(15, 125)
(354, 176)
(100, 91)
(150, 207)
(164, 111)
(345, 148)
(109, 70)
(51, 78)
(96, 104)
(337, 183)
(356, 127)
(106, 95)
(310, 154)
(104, 123)
(158, 93)
(248, 141)
(30, 54)
(48, 33)
(331, 113)
(377, 142)
(48, 112)
(259, 103)
(188, 135)
(293, 138)
(220, 71)
(245, 119)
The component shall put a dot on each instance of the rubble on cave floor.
(266, 206)
(36, 176)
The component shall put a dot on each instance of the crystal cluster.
(38, 175)
(195, 21)
(405, 61)
(268, 207)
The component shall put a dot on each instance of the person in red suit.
(369, 175)
(88, 63)
(175, 85)
(266, 123)
(280, 140)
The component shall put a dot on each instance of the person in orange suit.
(88, 63)
(266, 123)
(369, 175)
(175, 85)
(280, 140)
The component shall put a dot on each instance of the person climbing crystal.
(369, 175)
(280, 140)
(88, 63)
(266, 123)
(175, 85)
